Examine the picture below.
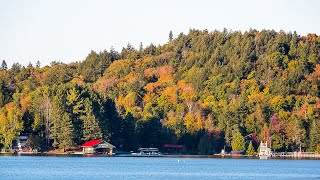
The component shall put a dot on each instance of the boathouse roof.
(173, 146)
(92, 143)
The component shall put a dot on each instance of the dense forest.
(204, 90)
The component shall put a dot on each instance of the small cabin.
(97, 147)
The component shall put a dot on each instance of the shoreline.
(156, 156)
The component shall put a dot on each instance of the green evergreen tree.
(30, 65)
(90, 129)
(238, 142)
(38, 64)
(170, 36)
(4, 65)
(141, 47)
(56, 113)
(76, 109)
(314, 136)
(250, 149)
(66, 132)
(206, 144)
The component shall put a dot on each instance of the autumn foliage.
(205, 90)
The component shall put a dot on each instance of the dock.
(296, 154)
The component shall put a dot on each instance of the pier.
(296, 154)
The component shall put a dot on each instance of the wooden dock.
(296, 154)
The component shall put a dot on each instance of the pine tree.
(314, 136)
(30, 65)
(66, 132)
(56, 113)
(38, 64)
(238, 142)
(76, 109)
(140, 47)
(91, 129)
(170, 36)
(250, 150)
(4, 65)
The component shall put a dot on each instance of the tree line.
(204, 90)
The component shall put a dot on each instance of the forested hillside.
(204, 90)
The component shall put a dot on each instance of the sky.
(67, 30)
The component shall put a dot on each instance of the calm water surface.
(51, 167)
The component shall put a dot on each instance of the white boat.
(147, 152)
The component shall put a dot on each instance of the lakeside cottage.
(97, 147)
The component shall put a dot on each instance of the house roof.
(92, 143)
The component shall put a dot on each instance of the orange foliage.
(148, 97)
(130, 100)
(131, 77)
(315, 75)
(9, 106)
(120, 100)
(185, 87)
(303, 111)
(166, 70)
(256, 98)
(78, 80)
(105, 84)
(171, 91)
(156, 86)
(25, 103)
(151, 72)
(151, 87)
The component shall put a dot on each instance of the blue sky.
(67, 30)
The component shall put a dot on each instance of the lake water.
(75, 167)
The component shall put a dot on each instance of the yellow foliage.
(135, 111)
(189, 122)
(277, 102)
(250, 85)
(120, 100)
(171, 91)
(78, 80)
(130, 100)
(284, 115)
(231, 84)
(148, 97)
(292, 65)
(209, 102)
(199, 124)
(256, 98)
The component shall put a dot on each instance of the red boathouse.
(172, 148)
(97, 146)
